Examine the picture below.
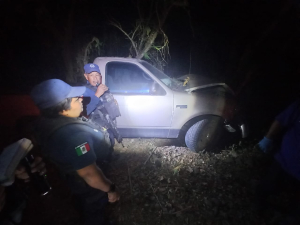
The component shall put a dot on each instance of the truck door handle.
(181, 106)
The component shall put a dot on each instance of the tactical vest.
(105, 114)
(108, 105)
(46, 127)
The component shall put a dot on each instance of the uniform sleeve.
(289, 115)
(94, 101)
(79, 151)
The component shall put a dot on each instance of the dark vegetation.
(251, 45)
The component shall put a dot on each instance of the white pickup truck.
(153, 105)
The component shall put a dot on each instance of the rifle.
(111, 110)
(114, 128)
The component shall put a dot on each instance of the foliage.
(148, 40)
(159, 55)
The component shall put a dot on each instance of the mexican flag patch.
(82, 149)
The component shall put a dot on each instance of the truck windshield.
(172, 83)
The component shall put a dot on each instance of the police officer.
(285, 169)
(94, 79)
(74, 145)
(107, 110)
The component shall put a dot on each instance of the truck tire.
(204, 134)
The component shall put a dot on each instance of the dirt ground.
(163, 184)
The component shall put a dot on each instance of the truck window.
(127, 78)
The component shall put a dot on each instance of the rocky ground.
(164, 184)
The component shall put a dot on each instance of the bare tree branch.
(190, 21)
(117, 25)
(138, 8)
(165, 13)
(148, 28)
(142, 39)
(135, 30)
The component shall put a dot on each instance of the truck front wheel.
(204, 134)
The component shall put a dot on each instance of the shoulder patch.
(82, 149)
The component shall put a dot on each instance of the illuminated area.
(199, 89)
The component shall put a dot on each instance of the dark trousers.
(91, 201)
(15, 203)
(275, 182)
(94, 210)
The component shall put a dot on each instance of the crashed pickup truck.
(153, 105)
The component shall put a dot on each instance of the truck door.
(140, 107)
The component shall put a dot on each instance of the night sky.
(251, 45)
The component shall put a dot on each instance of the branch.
(142, 38)
(150, 13)
(85, 58)
(148, 44)
(136, 28)
(146, 23)
(165, 13)
(156, 197)
(149, 156)
(139, 10)
(190, 21)
(117, 25)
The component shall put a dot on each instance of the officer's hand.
(21, 173)
(100, 90)
(113, 196)
(2, 197)
(38, 165)
(265, 145)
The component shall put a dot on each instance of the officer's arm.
(284, 120)
(94, 177)
(93, 103)
(274, 130)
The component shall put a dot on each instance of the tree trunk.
(148, 44)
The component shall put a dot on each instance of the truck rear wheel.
(204, 134)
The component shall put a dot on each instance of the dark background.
(252, 45)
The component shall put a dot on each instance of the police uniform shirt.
(92, 101)
(289, 153)
(75, 146)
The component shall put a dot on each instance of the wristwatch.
(112, 188)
